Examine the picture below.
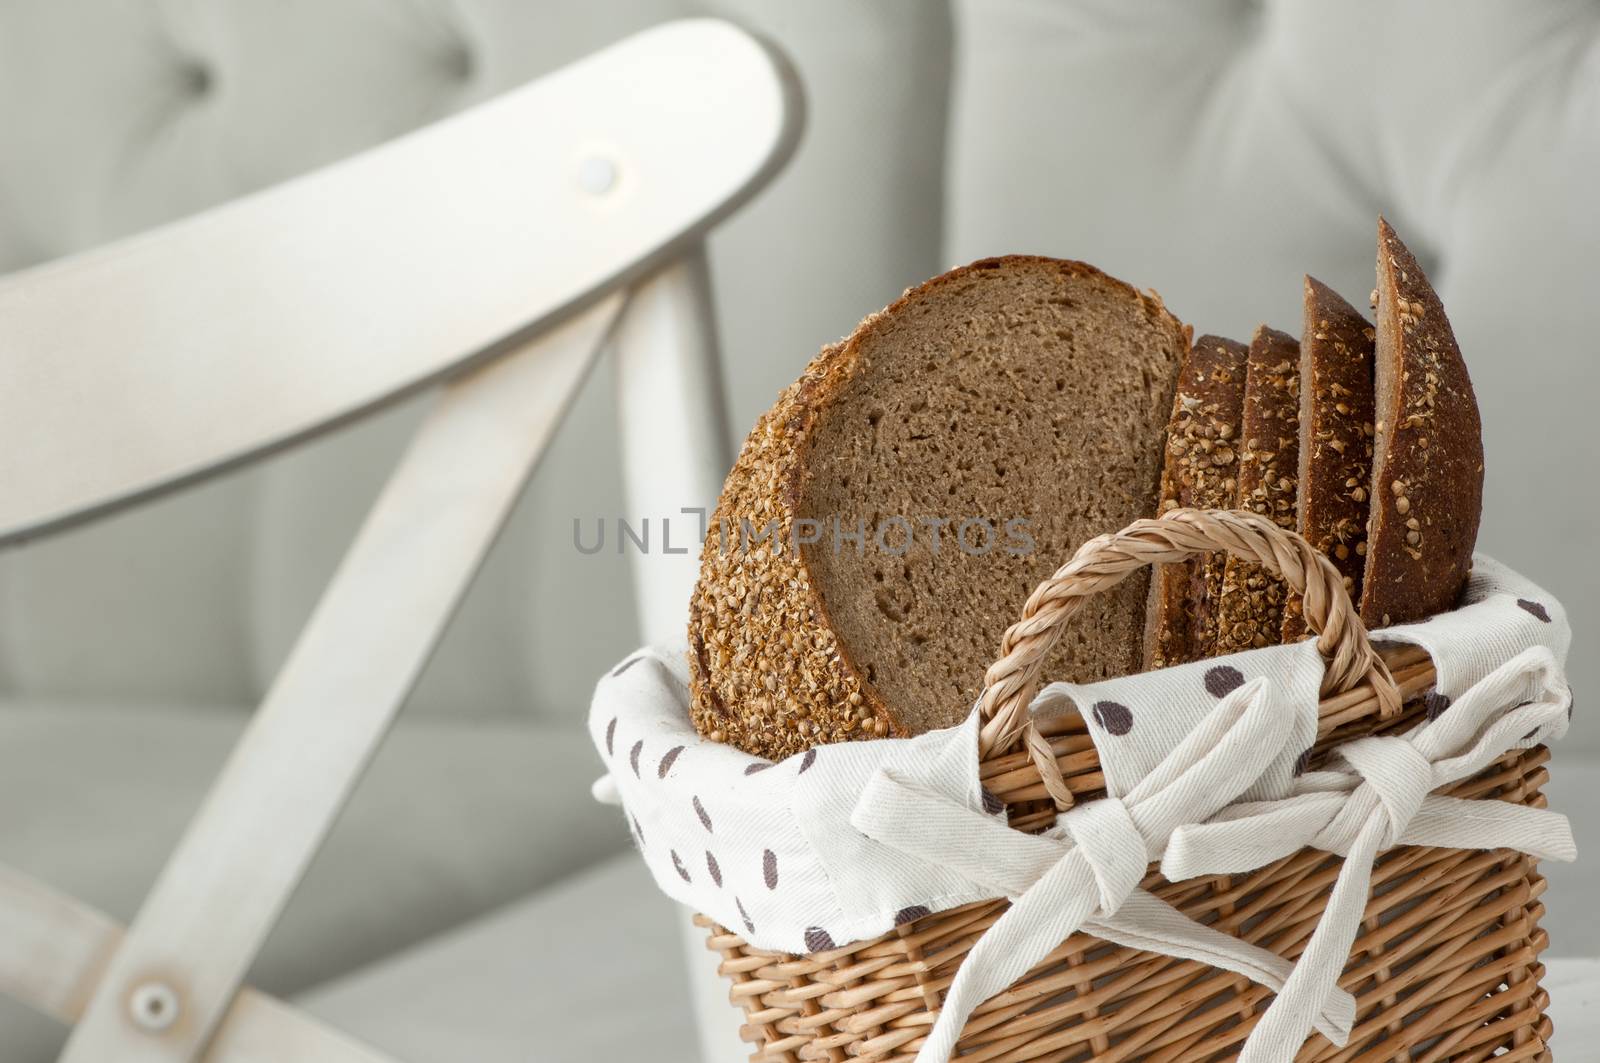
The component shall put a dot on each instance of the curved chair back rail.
(503, 246)
(155, 360)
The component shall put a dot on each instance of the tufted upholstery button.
(195, 77)
(1249, 13)
(459, 63)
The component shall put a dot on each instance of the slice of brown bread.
(1020, 401)
(1336, 426)
(1250, 611)
(1427, 491)
(1200, 469)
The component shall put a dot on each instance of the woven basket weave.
(1446, 969)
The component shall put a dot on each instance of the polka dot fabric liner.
(768, 849)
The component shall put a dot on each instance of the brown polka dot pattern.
(683, 872)
(1223, 680)
(716, 872)
(700, 810)
(763, 765)
(910, 915)
(806, 761)
(633, 756)
(1536, 609)
(818, 940)
(991, 801)
(611, 736)
(666, 761)
(749, 927)
(1115, 717)
(625, 665)
(1434, 704)
(769, 869)
(1302, 762)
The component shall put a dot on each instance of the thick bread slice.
(1336, 431)
(1000, 414)
(1427, 491)
(1250, 611)
(1200, 470)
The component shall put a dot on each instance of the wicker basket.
(1447, 967)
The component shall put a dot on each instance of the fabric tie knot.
(1110, 842)
(1376, 794)
(1085, 872)
(1395, 780)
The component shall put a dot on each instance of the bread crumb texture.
(1250, 611)
(914, 486)
(1337, 431)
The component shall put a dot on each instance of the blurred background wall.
(1215, 150)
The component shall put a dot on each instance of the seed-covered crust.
(1337, 426)
(1250, 611)
(1427, 492)
(769, 674)
(1200, 470)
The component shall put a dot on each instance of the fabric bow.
(1085, 872)
(1378, 794)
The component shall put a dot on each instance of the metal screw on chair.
(597, 175)
(154, 1006)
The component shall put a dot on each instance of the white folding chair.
(495, 251)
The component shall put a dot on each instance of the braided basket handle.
(1178, 535)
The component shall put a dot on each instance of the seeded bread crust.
(1428, 452)
(1200, 470)
(1337, 428)
(1250, 611)
(768, 672)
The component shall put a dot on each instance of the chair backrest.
(503, 247)
(120, 118)
(156, 360)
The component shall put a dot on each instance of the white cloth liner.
(841, 843)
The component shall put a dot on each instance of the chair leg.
(676, 451)
(675, 445)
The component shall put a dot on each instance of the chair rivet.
(153, 1006)
(597, 175)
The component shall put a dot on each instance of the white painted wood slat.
(357, 659)
(675, 445)
(57, 949)
(147, 363)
